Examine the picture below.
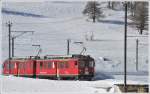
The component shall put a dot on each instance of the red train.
(77, 67)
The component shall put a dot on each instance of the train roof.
(47, 57)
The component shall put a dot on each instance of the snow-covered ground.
(64, 20)
(40, 86)
(54, 23)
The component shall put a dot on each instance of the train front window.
(82, 64)
(87, 63)
(91, 64)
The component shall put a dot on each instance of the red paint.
(53, 67)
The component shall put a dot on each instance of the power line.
(10, 37)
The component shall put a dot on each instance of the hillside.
(59, 21)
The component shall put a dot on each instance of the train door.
(34, 69)
(17, 67)
(63, 69)
(57, 70)
(51, 68)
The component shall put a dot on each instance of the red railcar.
(54, 67)
(10, 67)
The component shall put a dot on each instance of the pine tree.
(141, 16)
(112, 4)
(92, 10)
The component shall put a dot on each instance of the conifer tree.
(92, 10)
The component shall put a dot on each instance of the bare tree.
(92, 10)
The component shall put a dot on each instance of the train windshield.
(87, 64)
(91, 64)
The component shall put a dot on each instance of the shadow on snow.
(11, 12)
(102, 76)
(114, 22)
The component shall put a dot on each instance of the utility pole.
(125, 50)
(14, 37)
(68, 46)
(9, 43)
(137, 45)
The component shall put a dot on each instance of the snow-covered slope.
(64, 20)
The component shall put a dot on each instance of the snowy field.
(18, 85)
(54, 23)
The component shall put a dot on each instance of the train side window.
(31, 65)
(41, 65)
(49, 65)
(45, 65)
(87, 63)
(61, 65)
(19, 66)
(5, 65)
(24, 66)
(11, 66)
(66, 64)
(91, 64)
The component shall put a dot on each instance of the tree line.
(138, 11)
